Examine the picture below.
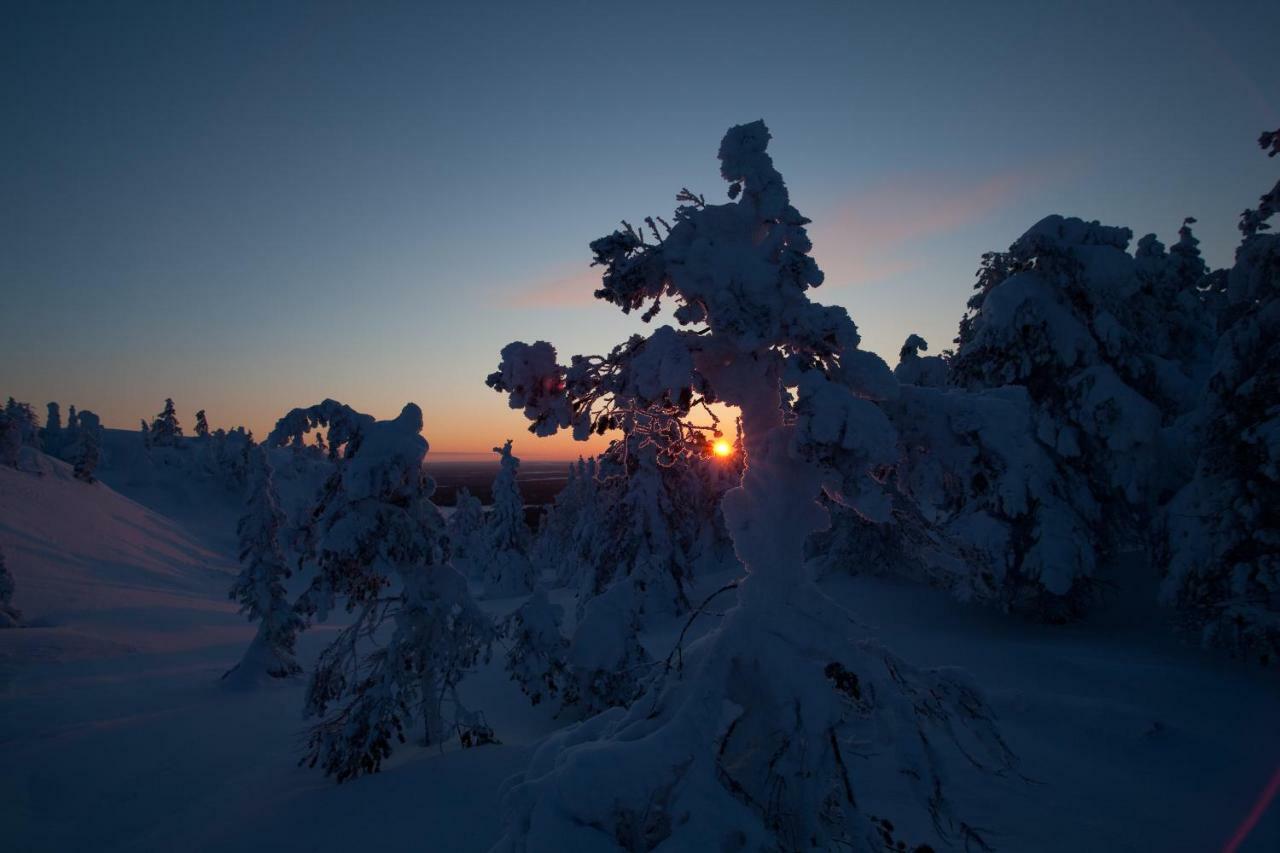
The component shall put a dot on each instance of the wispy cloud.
(876, 233)
(870, 237)
(565, 287)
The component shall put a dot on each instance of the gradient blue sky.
(249, 207)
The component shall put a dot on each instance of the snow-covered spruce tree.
(1071, 316)
(927, 372)
(73, 420)
(754, 742)
(202, 425)
(87, 449)
(1222, 531)
(466, 525)
(10, 616)
(165, 429)
(503, 558)
(537, 651)
(381, 547)
(259, 588)
(146, 433)
(980, 505)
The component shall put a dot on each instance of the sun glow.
(722, 449)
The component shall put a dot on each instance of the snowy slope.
(97, 572)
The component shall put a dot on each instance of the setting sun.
(722, 448)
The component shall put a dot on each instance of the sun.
(722, 448)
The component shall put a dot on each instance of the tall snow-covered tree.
(381, 547)
(88, 445)
(1222, 530)
(10, 616)
(504, 557)
(259, 588)
(73, 420)
(52, 435)
(202, 425)
(165, 429)
(744, 746)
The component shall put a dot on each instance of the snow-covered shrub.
(537, 652)
(165, 429)
(1222, 531)
(259, 589)
(606, 666)
(744, 747)
(503, 557)
(10, 616)
(380, 546)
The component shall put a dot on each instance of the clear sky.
(250, 207)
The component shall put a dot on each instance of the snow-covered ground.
(115, 733)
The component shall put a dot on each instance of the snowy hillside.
(98, 573)
(117, 734)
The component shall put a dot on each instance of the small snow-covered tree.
(649, 532)
(259, 588)
(537, 651)
(10, 616)
(571, 539)
(466, 525)
(88, 445)
(1221, 539)
(743, 747)
(165, 429)
(381, 547)
(504, 556)
(73, 420)
(202, 425)
(146, 433)
(928, 372)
